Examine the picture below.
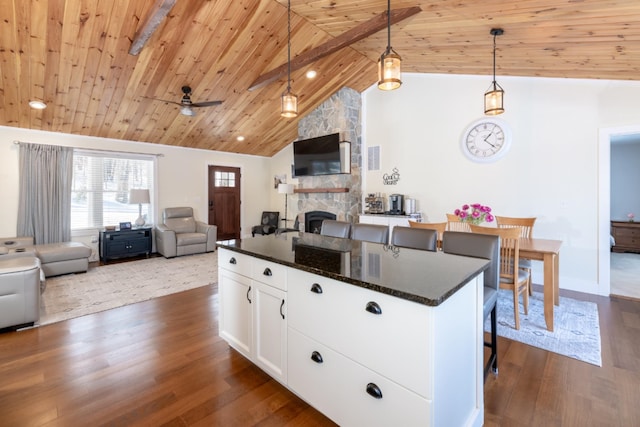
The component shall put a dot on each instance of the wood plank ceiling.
(73, 54)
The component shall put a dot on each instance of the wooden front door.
(224, 201)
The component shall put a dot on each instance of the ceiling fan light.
(494, 100)
(389, 72)
(187, 111)
(289, 106)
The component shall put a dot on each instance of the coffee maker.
(396, 203)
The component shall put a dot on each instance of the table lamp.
(139, 196)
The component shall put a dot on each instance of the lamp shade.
(285, 188)
(139, 196)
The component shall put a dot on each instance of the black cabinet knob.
(248, 291)
(373, 307)
(281, 306)
(316, 288)
(233, 261)
(374, 391)
(267, 272)
(316, 357)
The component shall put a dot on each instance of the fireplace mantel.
(321, 190)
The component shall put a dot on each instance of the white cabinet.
(253, 317)
(360, 357)
(236, 320)
(385, 360)
(270, 330)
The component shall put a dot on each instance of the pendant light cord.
(494, 58)
(388, 26)
(289, 47)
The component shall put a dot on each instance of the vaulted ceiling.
(74, 55)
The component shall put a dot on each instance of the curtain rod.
(16, 142)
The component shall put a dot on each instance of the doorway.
(609, 269)
(224, 201)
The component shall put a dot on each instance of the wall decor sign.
(391, 179)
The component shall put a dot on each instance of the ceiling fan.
(186, 105)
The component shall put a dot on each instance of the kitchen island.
(368, 334)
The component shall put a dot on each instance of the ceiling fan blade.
(206, 103)
(163, 100)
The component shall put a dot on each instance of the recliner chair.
(181, 234)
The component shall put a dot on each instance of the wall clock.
(486, 140)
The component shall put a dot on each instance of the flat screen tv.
(323, 155)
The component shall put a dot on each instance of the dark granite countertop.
(423, 277)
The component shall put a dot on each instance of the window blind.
(101, 184)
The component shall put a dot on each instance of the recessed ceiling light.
(240, 138)
(37, 105)
(311, 74)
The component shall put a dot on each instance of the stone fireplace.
(340, 113)
(313, 220)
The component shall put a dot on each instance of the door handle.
(281, 306)
(210, 204)
(248, 291)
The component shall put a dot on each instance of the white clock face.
(486, 140)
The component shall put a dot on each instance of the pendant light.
(494, 97)
(389, 62)
(289, 101)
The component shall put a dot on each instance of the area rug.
(576, 326)
(115, 285)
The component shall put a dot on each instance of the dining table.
(547, 251)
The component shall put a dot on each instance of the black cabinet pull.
(267, 272)
(316, 289)
(248, 291)
(282, 305)
(373, 307)
(374, 390)
(316, 357)
(233, 261)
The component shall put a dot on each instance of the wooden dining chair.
(415, 238)
(511, 276)
(454, 223)
(526, 228)
(440, 227)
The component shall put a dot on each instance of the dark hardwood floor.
(161, 362)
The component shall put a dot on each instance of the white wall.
(551, 171)
(182, 174)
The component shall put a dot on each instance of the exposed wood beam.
(355, 34)
(156, 15)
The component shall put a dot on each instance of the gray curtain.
(44, 209)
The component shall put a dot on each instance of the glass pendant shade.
(389, 73)
(289, 106)
(494, 100)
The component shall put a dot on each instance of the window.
(225, 179)
(101, 184)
